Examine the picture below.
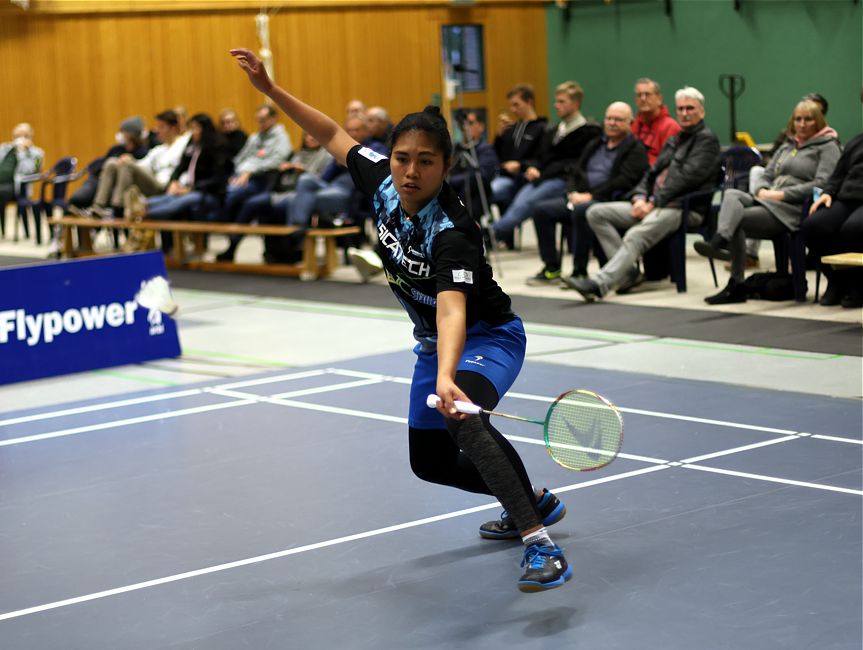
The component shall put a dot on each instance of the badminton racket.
(582, 430)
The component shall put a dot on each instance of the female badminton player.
(470, 344)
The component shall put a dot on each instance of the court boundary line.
(365, 379)
(116, 591)
(225, 390)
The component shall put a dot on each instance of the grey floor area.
(256, 492)
(278, 511)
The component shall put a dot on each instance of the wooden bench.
(309, 268)
(843, 259)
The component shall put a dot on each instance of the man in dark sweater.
(561, 148)
(516, 142)
(688, 162)
(610, 166)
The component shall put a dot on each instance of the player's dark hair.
(429, 121)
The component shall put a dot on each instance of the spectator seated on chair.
(20, 157)
(257, 164)
(151, 174)
(473, 156)
(355, 108)
(272, 207)
(330, 193)
(129, 141)
(835, 225)
(610, 165)
(379, 124)
(561, 148)
(653, 125)
(232, 132)
(516, 141)
(688, 162)
(198, 183)
(774, 205)
(753, 246)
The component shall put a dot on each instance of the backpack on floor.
(769, 286)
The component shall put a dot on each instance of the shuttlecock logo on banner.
(155, 296)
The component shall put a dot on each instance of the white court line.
(837, 439)
(633, 411)
(643, 459)
(272, 380)
(735, 450)
(152, 398)
(294, 551)
(369, 375)
(773, 479)
(101, 406)
(119, 423)
(326, 389)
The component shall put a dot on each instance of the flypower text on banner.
(80, 315)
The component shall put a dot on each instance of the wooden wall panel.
(75, 77)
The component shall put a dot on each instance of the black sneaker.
(544, 278)
(546, 568)
(550, 509)
(588, 288)
(716, 248)
(733, 292)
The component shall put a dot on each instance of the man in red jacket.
(653, 125)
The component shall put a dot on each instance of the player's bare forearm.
(451, 327)
(320, 126)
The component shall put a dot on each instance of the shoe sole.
(716, 253)
(532, 587)
(553, 517)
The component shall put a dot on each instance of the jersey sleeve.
(456, 258)
(368, 169)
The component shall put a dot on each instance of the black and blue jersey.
(439, 249)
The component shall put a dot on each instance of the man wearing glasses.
(689, 162)
(653, 125)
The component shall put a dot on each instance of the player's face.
(418, 170)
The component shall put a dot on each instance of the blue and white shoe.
(550, 509)
(546, 568)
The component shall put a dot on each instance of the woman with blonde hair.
(774, 204)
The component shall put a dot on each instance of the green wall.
(784, 49)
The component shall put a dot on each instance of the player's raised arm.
(323, 128)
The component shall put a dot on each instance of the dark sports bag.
(769, 286)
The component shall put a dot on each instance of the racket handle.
(432, 402)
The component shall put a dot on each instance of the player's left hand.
(449, 393)
(254, 68)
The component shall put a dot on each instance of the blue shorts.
(496, 353)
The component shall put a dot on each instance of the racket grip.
(432, 402)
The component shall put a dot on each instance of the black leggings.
(474, 456)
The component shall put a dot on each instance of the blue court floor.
(278, 510)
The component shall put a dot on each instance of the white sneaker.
(54, 251)
(367, 263)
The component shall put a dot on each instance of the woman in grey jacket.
(802, 163)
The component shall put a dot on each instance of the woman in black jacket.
(835, 225)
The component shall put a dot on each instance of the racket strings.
(583, 431)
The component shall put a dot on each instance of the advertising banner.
(80, 315)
